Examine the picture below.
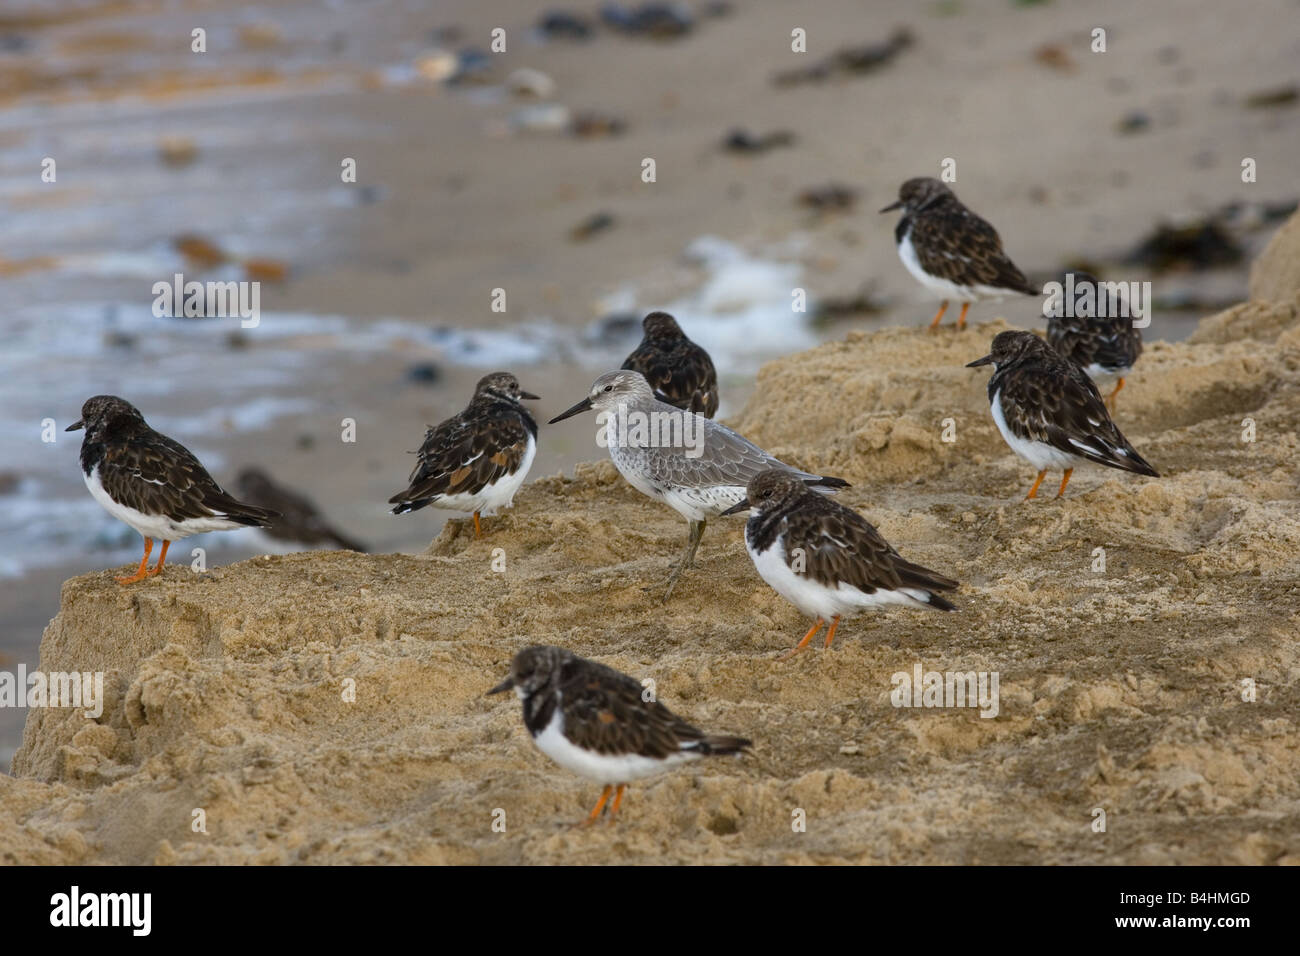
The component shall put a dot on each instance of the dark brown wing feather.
(463, 455)
(1109, 341)
(604, 712)
(158, 476)
(840, 545)
(1054, 401)
(683, 374)
(954, 243)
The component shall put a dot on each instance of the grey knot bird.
(695, 465)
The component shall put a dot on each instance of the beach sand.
(1121, 689)
(455, 206)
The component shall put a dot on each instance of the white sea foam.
(52, 357)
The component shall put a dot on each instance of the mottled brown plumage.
(151, 482)
(958, 254)
(955, 244)
(149, 472)
(680, 372)
(1105, 343)
(465, 457)
(1052, 412)
(601, 723)
(838, 545)
(827, 559)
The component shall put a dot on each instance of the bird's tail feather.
(826, 481)
(1136, 463)
(716, 745)
(249, 515)
(939, 604)
(405, 505)
(928, 583)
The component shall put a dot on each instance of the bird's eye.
(609, 388)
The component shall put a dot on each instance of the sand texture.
(1120, 689)
(385, 314)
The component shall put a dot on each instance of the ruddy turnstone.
(151, 482)
(950, 250)
(827, 560)
(596, 722)
(1050, 412)
(299, 520)
(695, 465)
(1100, 337)
(475, 461)
(680, 372)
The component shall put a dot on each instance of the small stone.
(527, 82)
(543, 118)
(177, 150)
(424, 373)
(563, 25)
(598, 222)
(259, 35)
(265, 270)
(437, 65)
(1134, 122)
(199, 251)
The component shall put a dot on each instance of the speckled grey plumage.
(697, 486)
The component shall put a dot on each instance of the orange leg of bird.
(943, 307)
(1110, 399)
(1033, 492)
(478, 530)
(830, 635)
(162, 556)
(141, 573)
(618, 799)
(600, 805)
(961, 319)
(1065, 480)
(804, 643)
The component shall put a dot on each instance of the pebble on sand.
(593, 224)
(529, 83)
(200, 252)
(177, 151)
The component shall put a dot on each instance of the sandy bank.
(1119, 689)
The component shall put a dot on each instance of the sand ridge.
(1120, 690)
